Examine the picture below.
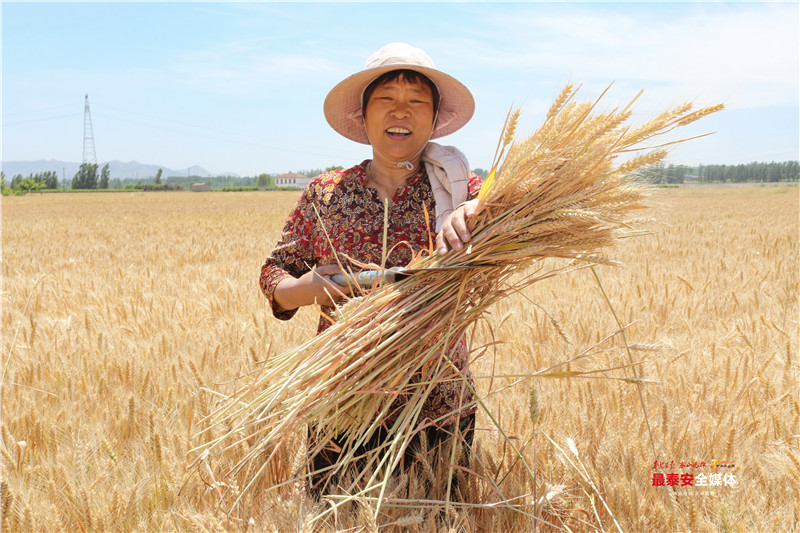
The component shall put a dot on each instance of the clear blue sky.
(238, 87)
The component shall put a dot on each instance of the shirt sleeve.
(293, 255)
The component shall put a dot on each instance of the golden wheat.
(124, 276)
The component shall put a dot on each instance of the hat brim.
(456, 104)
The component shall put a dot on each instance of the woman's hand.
(314, 287)
(454, 230)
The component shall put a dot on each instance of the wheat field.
(121, 313)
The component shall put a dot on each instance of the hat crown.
(399, 54)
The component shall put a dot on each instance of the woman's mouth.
(398, 133)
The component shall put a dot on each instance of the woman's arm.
(314, 287)
(292, 257)
(291, 277)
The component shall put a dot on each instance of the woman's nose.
(400, 110)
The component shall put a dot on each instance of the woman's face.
(399, 119)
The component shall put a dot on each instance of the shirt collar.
(361, 172)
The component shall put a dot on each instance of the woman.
(397, 104)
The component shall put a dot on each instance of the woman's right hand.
(314, 287)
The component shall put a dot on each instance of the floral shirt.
(353, 221)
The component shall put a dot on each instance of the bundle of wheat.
(559, 193)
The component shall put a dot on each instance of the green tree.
(265, 181)
(51, 180)
(482, 172)
(45, 180)
(86, 178)
(91, 179)
(105, 177)
(29, 185)
(158, 177)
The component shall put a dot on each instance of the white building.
(298, 181)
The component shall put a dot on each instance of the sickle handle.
(366, 278)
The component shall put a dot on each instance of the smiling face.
(398, 119)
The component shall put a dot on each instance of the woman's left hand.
(454, 231)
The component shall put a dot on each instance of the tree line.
(262, 181)
(754, 172)
(34, 182)
(88, 177)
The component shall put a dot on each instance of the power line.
(162, 124)
(39, 110)
(43, 119)
(233, 138)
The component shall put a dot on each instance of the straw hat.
(343, 103)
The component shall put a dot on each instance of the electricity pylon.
(89, 155)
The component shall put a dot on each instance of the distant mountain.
(118, 169)
(12, 168)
